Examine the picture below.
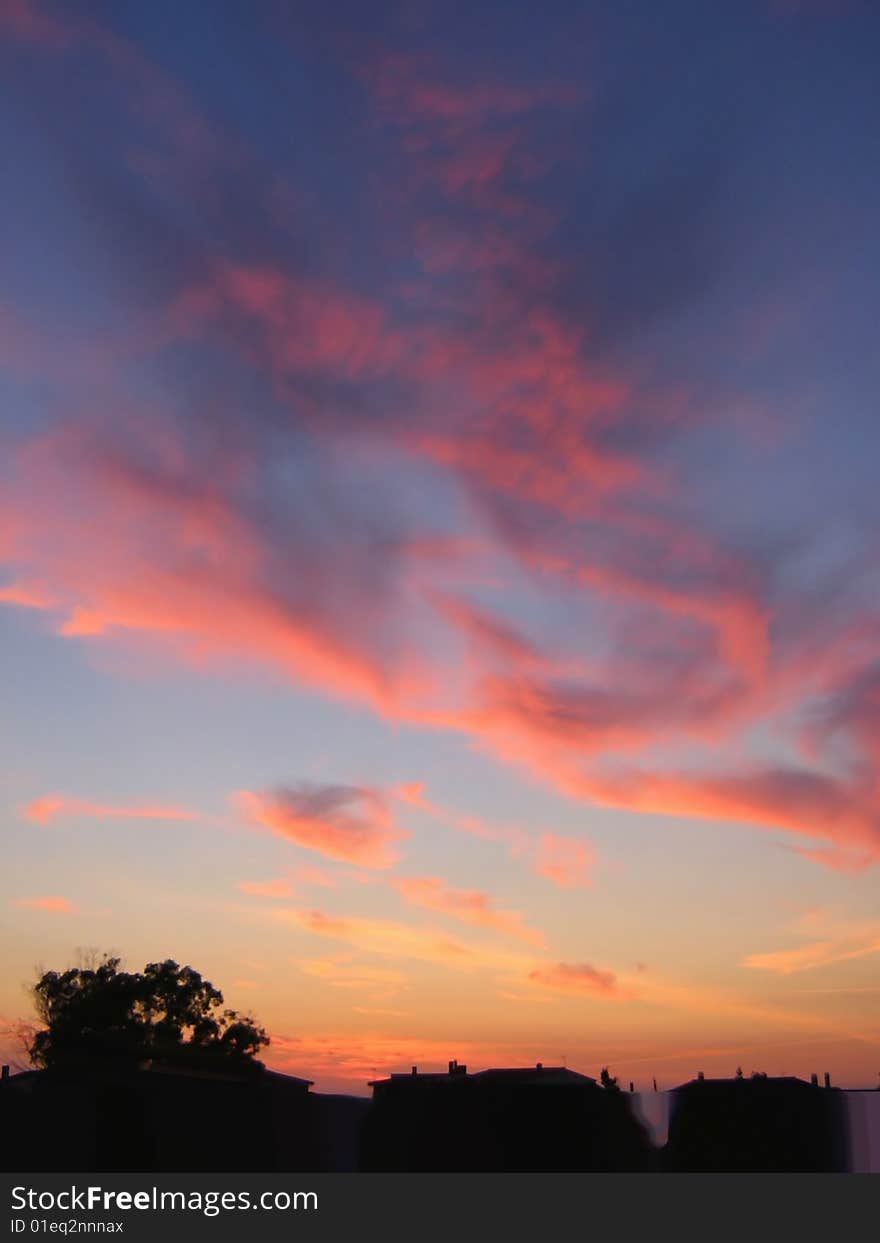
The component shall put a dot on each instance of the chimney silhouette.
(827, 1079)
(415, 1070)
(814, 1079)
(4, 1073)
(700, 1076)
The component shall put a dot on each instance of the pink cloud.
(576, 978)
(414, 794)
(134, 524)
(471, 906)
(309, 874)
(277, 888)
(25, 596)
(795, 800)
(837, 858)
(349, 823)
(49, 807)
(566, 861)
(100, 560)
(51, 902)
(125, 518)
(303, 875)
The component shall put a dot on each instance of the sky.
(439, 533)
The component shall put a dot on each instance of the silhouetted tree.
(166, 1012)
(607, 1080)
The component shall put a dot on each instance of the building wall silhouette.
(757, 1124)
(525, 1119)
(531, 1119)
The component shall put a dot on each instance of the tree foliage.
(165, 1012)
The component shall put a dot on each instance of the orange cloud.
(393, 939)
(277, 888)
(309, 874)
(50, 807)
(471, 906)
(48, 903)
(342, 973)
(303, 874)
(577, 978)
(566, 861)
(840, 948)
(349, 823)
(413, 793)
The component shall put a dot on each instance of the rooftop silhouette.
(149, 1115)
(149, 1071)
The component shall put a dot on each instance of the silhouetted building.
(532, 1118)
(757, 1123)
(157, 1117)
(161, 1117)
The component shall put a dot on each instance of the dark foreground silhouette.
(162, 1118)
(757, 1124)
(155, 1117)
(101, 1013)
(539, 1118)
(149, 1071)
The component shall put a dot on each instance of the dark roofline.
(734, 1079)
(539, 1069)
(150, 1067)
(279, 1074)
(460, 1074)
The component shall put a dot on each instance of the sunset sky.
(439, 524)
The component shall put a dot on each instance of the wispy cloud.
(471, 906)
(566, 861)
(395, 939)
(279, 887)
(49, 807)
(846, 944)
(49, 902)
(474, 398)
(414, 793)
(341, 972)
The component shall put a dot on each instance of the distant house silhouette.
(158, 1117)
(527, 1118)
(757, 1123)
(163, 1117)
